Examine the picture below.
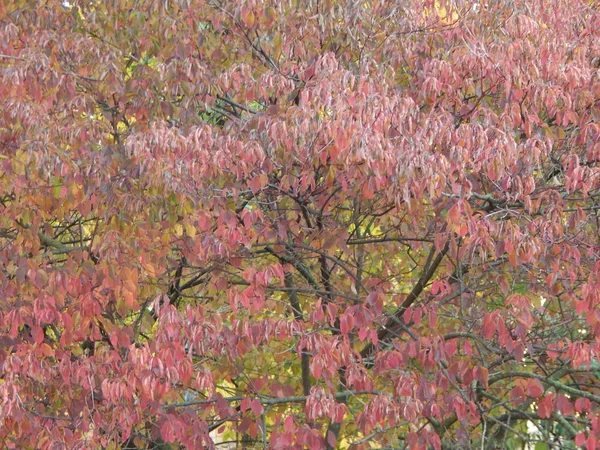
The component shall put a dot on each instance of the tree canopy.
(299, 224)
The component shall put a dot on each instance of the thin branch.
(268, 400)
(16, 58)
(66, 72)
(552, 382)
(299, 316)
(236, 105)
(388, 329)
(376, 240)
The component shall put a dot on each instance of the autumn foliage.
(299, 224)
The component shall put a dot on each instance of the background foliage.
(315, 224)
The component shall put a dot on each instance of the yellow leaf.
(444, 10)
(178, 229)
(249, 18)
(150, 269)
(190, 230)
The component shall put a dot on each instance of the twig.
(236, 104)
(269, 400)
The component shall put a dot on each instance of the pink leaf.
(257, 407)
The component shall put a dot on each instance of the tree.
(318, 224)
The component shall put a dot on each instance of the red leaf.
(454, 215)
(551, 353)
(37, 334)
(434, 439)
(564, 405)
(257, 407)
(545, 407)
(407, 316)
(316, 368)
(535, 388)
(582, 404)
(363, 333)
(167, 431)
(468, 348)
(517, 395)
(367, 191)
(114, 339)
(346, 323)
(503, 283)
(417, 315)
(481, 375)
(288, 424)
(245, 404)
(489, 326)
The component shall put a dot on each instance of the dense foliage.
(299, 224)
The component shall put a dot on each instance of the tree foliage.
(302, 224)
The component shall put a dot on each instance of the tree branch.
(269, 400)
(388, 329)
